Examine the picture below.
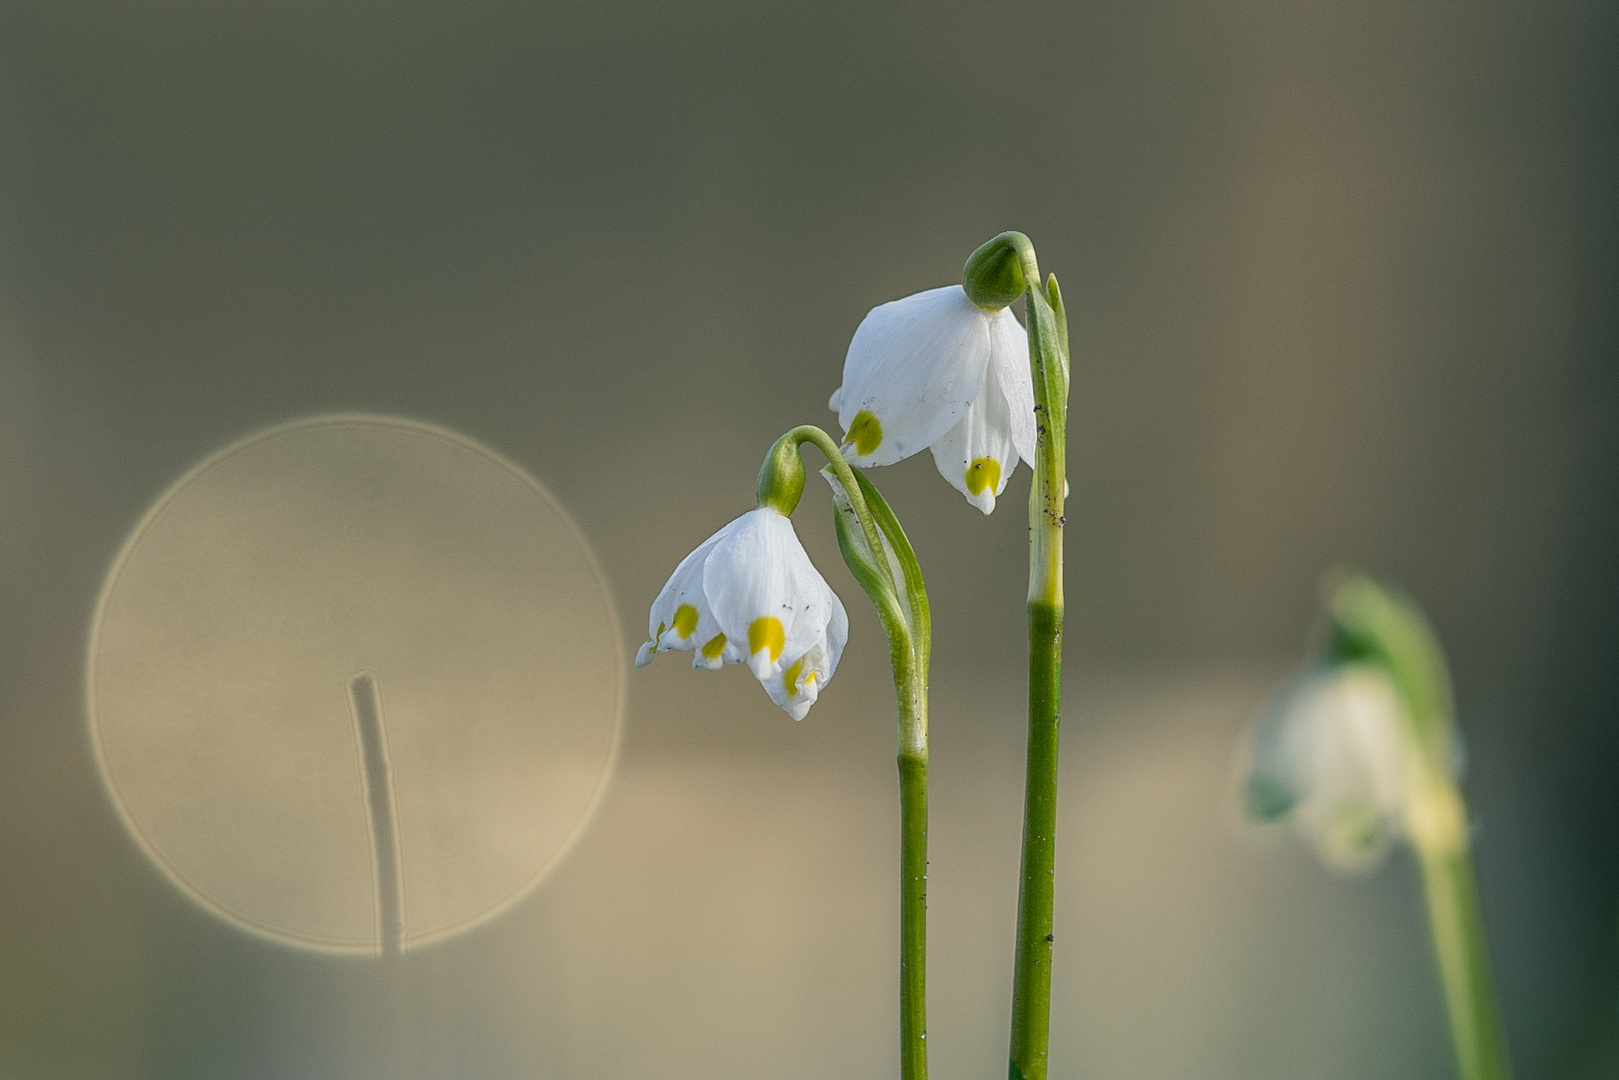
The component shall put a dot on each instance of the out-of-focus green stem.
(1375, 623)
(1436, 821)
(1048, 362)
(1464, 966)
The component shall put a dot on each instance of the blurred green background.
(1342, 280)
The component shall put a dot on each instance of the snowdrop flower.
(1329, 755)
(936, 371)
(750, 594)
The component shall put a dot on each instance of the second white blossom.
(749, 593)
(936, 371)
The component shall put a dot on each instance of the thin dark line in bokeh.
(379, 801)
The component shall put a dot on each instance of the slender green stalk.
(1464, 966)
(1436, 821)
(1048, 362)
(1031, 979)
(911, 687)
(883, 562)
(1375, 623)
(913, 908)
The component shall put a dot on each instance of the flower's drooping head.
(1362, 748)
(936, 371)
(750, 594)
(1329, 755)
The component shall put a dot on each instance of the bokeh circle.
(309, 560)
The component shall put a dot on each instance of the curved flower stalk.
(752, 582)
(937, 371)
(1361, 751)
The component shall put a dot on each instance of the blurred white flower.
(749, 593)
(935, 370)
(1330, 756)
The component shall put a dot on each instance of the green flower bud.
(781, 477)
(993, 276)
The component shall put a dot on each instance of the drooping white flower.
(1330, 757)
(750, 594)
(936, 371)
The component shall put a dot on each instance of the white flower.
(935, 370)
(1330, 756)
(749, 593)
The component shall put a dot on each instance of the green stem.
(1048, 361)
(1031, 979)
(913, 902)
(1460, 947)
(882, 560)
(909, 657)
(1375, 623)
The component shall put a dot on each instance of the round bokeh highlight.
(355, 683)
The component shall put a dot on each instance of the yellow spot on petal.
(713, 649)
(766, 633)
(685, 620)
(865, 432)
(789, 678)
(983, 473)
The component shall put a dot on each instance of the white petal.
(679, 584)
(1009, 371)
(978, 455)
(684, 587)
(812, 671)
(760, 571)
(1331, 757)
(915, 365)
(836, 400)
(805, 686)
(728, 654)
(837, 636)
(1355, 750)
(800, 683)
